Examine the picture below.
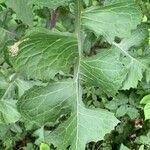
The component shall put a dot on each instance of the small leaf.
(121, 111)
(147, 75)
(145, 99)
(143, 139)
(132, 112)
(144, 19)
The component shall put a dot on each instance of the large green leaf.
(46, 104)
(49, 3)
(44, 54)
(22, 9)
(104, 70)
(42, 105)
(114, 20)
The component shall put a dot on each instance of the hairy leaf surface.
(136, 65)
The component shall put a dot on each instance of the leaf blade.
(104, 70)
(23, 11)
(83, 125)
(43, 59)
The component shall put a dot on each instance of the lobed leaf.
(136, 65)
(46, 104)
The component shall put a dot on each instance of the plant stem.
(53, 19)
(78, 28)
(122, 50)
(78, 32)
(77, 65)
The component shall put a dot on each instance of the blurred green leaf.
(44, 146)
(146, 100)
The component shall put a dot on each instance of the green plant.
(53, 50)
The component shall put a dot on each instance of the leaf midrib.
(77, 66)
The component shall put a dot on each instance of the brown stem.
(53, 18)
